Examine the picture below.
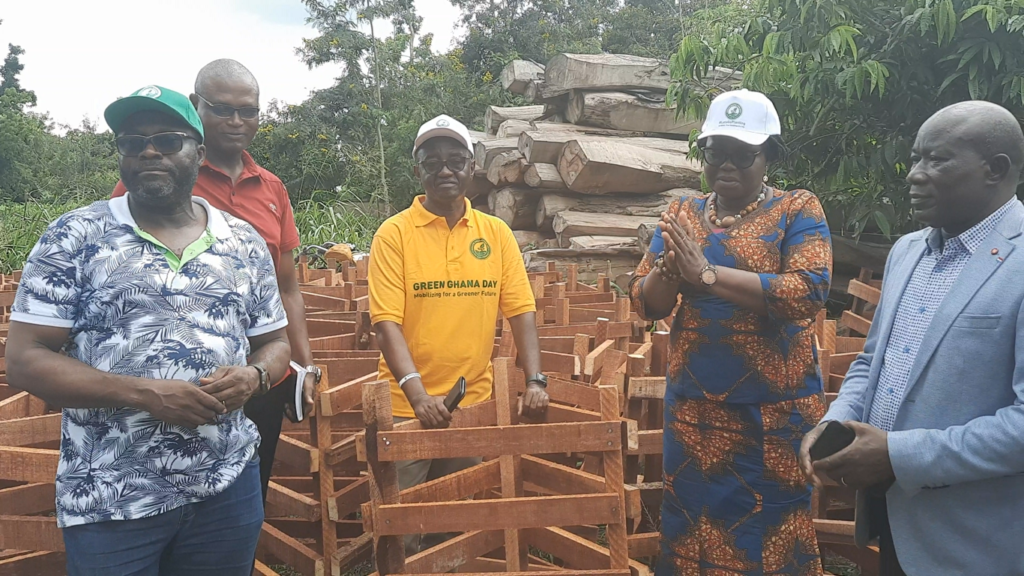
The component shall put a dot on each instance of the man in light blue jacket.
(937, 398)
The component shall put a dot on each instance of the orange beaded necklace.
(730, 220)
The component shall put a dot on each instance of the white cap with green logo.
(443, 126)
(742, 114)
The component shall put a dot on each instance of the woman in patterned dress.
(752, 266)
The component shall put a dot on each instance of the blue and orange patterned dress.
(742, 391)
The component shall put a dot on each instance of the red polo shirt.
(258, 197)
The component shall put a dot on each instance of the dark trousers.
(888, 564)
(215, 537)
(267, 412)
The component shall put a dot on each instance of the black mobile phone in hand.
(457, 393)
(833, 438)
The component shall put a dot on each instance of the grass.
(21, 225)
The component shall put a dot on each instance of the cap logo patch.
(442, 123)
(149, 92)
(733, 111)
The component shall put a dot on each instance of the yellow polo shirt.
(444, 287)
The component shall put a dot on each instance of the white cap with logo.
(743, 115)
(444, 126)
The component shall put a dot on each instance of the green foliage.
(854, 79)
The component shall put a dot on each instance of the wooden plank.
(499, 440)
(37, 533)
(455, 552)
(28, 499)
(650, 442)
(616, 530)
(34, 564)
(595, 359)
(290, 551)
(857, 323)
(298, 454)
(510, 466)
(28, 465)
(344, 396)
(506, 513)
(558, 479)
(840, 363)
(31, 430)
(559, 363)
(347, 369)
(323, 477)
(644, 545)
(652, 387)
(282, 501)
(865, 292)
(261, 569)
(21, 405)
(615, 330)
(834, 531)
(575, 551)
(388, 550)
(348, 499)
(456, 486)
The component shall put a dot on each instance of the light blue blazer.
(957, 445)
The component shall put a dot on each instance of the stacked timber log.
(596, 159)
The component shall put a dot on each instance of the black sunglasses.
(433, 166)
(741, 160)
(225, 111)
(165, 143)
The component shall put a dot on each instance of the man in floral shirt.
(168, 314)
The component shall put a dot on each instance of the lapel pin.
(995, 251)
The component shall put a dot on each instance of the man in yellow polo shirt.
(439, 273)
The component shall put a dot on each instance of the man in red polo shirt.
(227, 98)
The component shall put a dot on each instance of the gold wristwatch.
(708, 274)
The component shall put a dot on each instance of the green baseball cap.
(156, 98)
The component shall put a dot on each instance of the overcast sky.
(82, 54)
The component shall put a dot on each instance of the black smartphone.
(834, 438)
(457, 393)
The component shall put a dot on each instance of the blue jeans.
(215, 537)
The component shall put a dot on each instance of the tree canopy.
(854, 79)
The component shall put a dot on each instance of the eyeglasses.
(165, 143)
(433, 166)
(741, 160)
(225, 111)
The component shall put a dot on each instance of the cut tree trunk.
(479, 186)
(549, 126)
(518, 74)
(551, 204)
(617, 264)
(507, 169)
(567, 72)
(620, 111)
(545, 147)
(495, 115)
(513, 128)
(569, 224)
(645, 232)
(531, 240)
(543, 176)
(604, 243)
(515, 207)
(606, 167)
(486, 151)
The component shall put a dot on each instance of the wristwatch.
(316, 372)
(264, 380)
(708, 274)
(539, 379)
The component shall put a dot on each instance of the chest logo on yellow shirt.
(480, 248)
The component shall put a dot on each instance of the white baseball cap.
(743, 115)
(443, 126)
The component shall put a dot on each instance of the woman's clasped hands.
(683, 255)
